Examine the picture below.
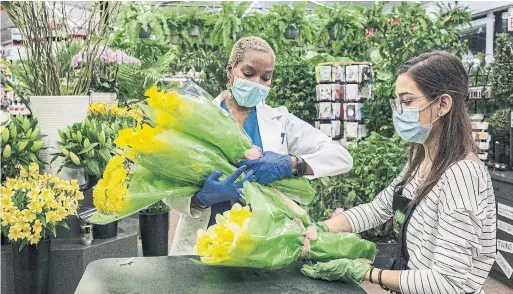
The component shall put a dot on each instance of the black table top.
(177, 274)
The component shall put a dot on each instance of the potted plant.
(228, 25)
(33, 205)
(193, 20)
(142, 21)
(154, 225)
(58, 94)
(21, 141)
(292, 22)
(88, 145)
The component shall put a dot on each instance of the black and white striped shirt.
(451, 234)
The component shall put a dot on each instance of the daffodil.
(15, 233)
(74, 185)
(28, 216)
(37, 227)
(34, 239)
(33, 169)
(10, 183)
(7, 203)
(23, 172)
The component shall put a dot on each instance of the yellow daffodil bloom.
(37, 227)
(23, 172)
(28, 216)
(33, 169)
(34, 239)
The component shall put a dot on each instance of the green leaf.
(88, 148)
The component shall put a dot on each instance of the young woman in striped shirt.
(443, 199)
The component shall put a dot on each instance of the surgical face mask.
(408, 127)
(247, 93)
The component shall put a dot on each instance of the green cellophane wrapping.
(275, 235)
(207, 122)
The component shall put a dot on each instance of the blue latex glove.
(215, 191)
(269, 168)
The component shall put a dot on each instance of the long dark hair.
(438, 73)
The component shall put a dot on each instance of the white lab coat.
(323, 155)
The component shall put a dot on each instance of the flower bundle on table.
(34, 204)
(270, 232)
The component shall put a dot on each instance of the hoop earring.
(229, 91)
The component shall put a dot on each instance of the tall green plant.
(502, 71)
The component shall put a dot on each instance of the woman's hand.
(215, 191)
(270, 168)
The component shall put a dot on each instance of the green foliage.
(502, 71)
(499, 125)
(133, 80)
(227, 25)
(20, 142)
(90, 143)
(408, 32)
(376, 162)
(134, 18)
(294, 87)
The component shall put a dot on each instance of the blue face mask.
(247, 93)
(408, 127)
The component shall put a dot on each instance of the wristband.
(196, 203)
(301, 167)
(380, 282)
(370, 275)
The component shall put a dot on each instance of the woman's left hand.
(270, 167)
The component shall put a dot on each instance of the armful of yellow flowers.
(33, 204)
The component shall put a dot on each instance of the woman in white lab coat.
(292, 147)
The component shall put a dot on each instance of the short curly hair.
(247, 44)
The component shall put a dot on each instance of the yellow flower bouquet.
(270, 232)
(33, 205)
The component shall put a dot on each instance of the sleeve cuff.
(403, 281)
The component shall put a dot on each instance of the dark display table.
(177, 274)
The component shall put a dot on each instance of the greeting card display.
(341, 89)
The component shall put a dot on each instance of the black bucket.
(154, 233)
(105, 231)
(32, 267)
